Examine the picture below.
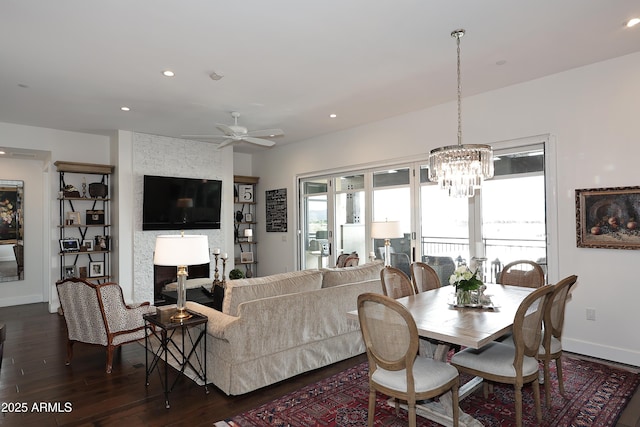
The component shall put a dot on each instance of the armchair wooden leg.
(69, 352)
(109, 358)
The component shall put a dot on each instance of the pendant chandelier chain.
(458, 34)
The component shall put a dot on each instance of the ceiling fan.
(235, 133)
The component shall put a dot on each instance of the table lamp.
(386, 230)
(181, 251)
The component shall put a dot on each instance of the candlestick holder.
(224, 279)
(216, 276)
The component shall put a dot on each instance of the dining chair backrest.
(527, 324)
(522, 273)
(395, 283)
(424, 278)
(554, 315)
(389, 332)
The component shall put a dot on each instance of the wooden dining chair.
(391, 339)
(395, 283)
(423, 277)
(551, 348)
(522, 273)
(512, 364)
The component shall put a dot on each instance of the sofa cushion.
(341, 276)
(242, 290)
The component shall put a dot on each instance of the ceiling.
(71, 64)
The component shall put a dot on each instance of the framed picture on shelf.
(96, 269)
(69, 271)
(246, 257)
(248, 217)
(608, 218)
(69, 245)
(73, 218)
(245, 193)
(88, 244)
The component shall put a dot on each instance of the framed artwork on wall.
(96, 269)
(245, 193)
(607, 218)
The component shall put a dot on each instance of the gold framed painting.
(608, 218)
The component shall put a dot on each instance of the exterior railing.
(498, 252)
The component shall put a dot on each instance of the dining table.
(445, 324)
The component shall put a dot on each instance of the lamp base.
(181, 315)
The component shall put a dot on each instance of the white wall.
(41, 212)
(592, 114)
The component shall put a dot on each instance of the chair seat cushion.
(556, 347)
(428, 374)
(495, 358)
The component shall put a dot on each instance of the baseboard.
(614, 354)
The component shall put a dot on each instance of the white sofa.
(275, 327)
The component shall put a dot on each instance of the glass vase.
(463, 297)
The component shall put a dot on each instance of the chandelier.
(461, 168)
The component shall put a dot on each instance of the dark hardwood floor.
(82, 394)
(33, 371)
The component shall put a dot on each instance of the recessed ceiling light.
(501, 62)
(333, 116)
(216, 76)
(633, 22)
(22, 85)
(168, 73)
(125, 108)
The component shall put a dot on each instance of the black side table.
(163, 328)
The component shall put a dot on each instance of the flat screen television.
(181, 203)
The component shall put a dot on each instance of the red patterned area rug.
(597, 395)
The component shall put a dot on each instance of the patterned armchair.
(97, 314)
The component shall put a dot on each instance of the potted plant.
(236, 274)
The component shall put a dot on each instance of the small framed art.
(246, 257)
(245, 193)
(69, 245)
(96, 269)
(69, 271)
(88, 244)
(248, 217)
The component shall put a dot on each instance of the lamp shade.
(181, 250)
(386, 230)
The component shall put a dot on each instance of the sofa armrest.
(220, 325)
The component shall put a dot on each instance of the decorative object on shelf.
(84, 188)
(461, 168)
(239, 216)
(606, 218)
(98, 189)
(180, 251)
(94, 217)
(96, 269)
(248, 273)
(386, 230)
(245, 193)
(467, 285)
(70, 191)
(246, 257)
(69, 244)
(235, 274)
(248, 233)
(83, 272)
(248, 217)
(101, 243)
(73, 218)
(69, 271)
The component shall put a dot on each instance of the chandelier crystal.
(461, 168)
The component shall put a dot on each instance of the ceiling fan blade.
(204, 136)
(225, 143)
(227, 130)
(266, 132)
(258, 141)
